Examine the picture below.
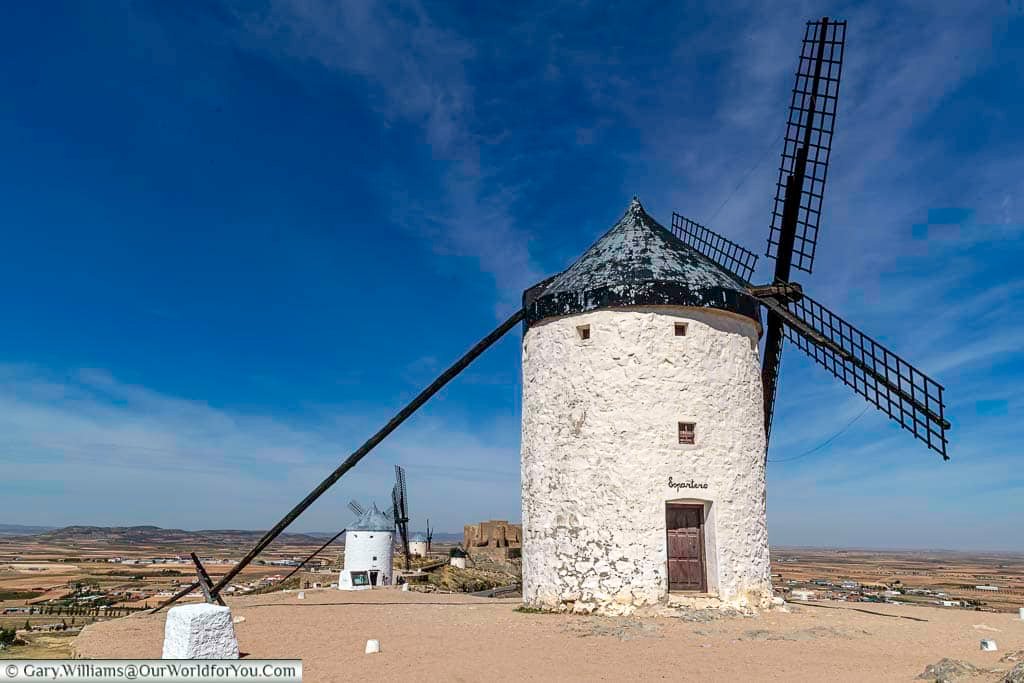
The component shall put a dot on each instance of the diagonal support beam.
(361, 452)
(312, 555)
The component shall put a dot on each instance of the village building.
(457, 558)
(369, 551)
(643, 440)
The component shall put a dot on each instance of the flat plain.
(889, 627)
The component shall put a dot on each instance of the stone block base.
(695, 601)
(200, 631)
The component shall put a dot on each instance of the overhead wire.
(746, 175)
(826, 441)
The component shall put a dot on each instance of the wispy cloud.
(124, 454)
(416, 75)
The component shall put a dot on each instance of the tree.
(28, 626)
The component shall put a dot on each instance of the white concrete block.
(372, 647)
(1022, 613)
(989, 646)
(302, 595)
(201, 631)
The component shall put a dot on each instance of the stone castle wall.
(495, 533)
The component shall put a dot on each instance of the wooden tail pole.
(205, 583)
(314, 554)
(350, 462)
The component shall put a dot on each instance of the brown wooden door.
(684, 525)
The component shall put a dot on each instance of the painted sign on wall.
(691, 484)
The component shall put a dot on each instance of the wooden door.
(684, 526)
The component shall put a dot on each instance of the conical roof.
(373, 520)
(638, 263)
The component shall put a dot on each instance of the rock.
(950, 670)
(759, 634)
(989, 645)
(1015, 675)
(238, 620)
(372, 647)
(1015, 656)
(200, 631)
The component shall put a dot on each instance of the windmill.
(883, 378)
(400, 511)
(430, 536)
(369, 548)
(611, 358)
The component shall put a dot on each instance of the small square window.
(583, 331)
(687, 432)
(680, 329)
(374, 558)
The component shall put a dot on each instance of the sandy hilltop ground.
(465, 638)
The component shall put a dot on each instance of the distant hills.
(153, 535)
(22, 530)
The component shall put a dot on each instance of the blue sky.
(237, 237)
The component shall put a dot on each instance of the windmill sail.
(885, 380)
(808, 146)
(723, 251)
(796, 213)
(400, 506)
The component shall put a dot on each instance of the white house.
(458, 558)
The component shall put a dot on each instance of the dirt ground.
(462, 638)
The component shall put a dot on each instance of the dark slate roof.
(638, 263)
(373, 520)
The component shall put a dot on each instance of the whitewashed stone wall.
(366, 550)
(600, 443)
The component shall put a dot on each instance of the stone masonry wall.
(600, 447)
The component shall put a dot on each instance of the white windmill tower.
(643, 434)
(369, 550)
